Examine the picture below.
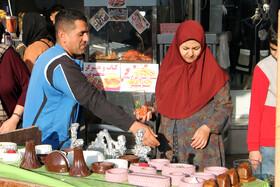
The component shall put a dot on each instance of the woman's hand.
(10, 124)
(200, 137)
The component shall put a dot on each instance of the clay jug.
(30, 160)
(79, 167)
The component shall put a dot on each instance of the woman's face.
(273, 50)
(190, 50)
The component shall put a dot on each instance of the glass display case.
(114, 33)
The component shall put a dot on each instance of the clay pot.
(79, 167)
(101, 167)
(130, 158)
(57, 162)
(30, 160)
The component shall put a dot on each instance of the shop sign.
(138, 22)
(139, 77)
(118, 14)
(116, 4)
(99, 19)
(122, 77)
(104, 76)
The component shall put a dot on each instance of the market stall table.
(42, 177)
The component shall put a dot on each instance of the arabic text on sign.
(116, 1)
(137, 21)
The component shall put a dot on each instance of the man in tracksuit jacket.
(57, 87)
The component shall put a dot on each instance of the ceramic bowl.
(176, 177)
(216, 170)
(143, 179)
(204, 175)
(158, 163)
(90, 157)
(8, 146)
(130, 158)
(177, 167)
(119, 163)
(5, 146)
(134, 167)
(57, 162)
(148, 170)
(101, 167)
(43, 149)
(11, 157)
(2, 150)
(21, 151)
(116, 175)
(191, 182)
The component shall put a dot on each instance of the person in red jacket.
(262, 116)
(14, 79)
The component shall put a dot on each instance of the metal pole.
(197, 14)
(277, 125)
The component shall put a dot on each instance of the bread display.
(245, 173)
(232, 176)
(223, 180)
(210, 183)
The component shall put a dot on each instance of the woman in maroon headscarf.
(193, 98)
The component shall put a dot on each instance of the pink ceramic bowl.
(176, 167)
(176, 177)
(204, 175)
(116, 175)
(148, 170)
(187, 182)
(134, 167)
(158, 163)
(216, 170)
(142, 179)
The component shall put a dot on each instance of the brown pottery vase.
(30, 160)
(79, 167)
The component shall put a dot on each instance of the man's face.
(273, 50)
(77, 38)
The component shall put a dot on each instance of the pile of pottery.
(175, 174)
(148, 174)
(157, 172)
(9, 153)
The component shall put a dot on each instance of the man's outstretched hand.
(149, 137)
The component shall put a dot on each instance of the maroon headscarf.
(182, 88)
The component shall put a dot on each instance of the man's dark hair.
(2, 30)
(272, 33)
(56, 8)
(65, 19)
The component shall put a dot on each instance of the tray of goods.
(98, 55)
(131, 55)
